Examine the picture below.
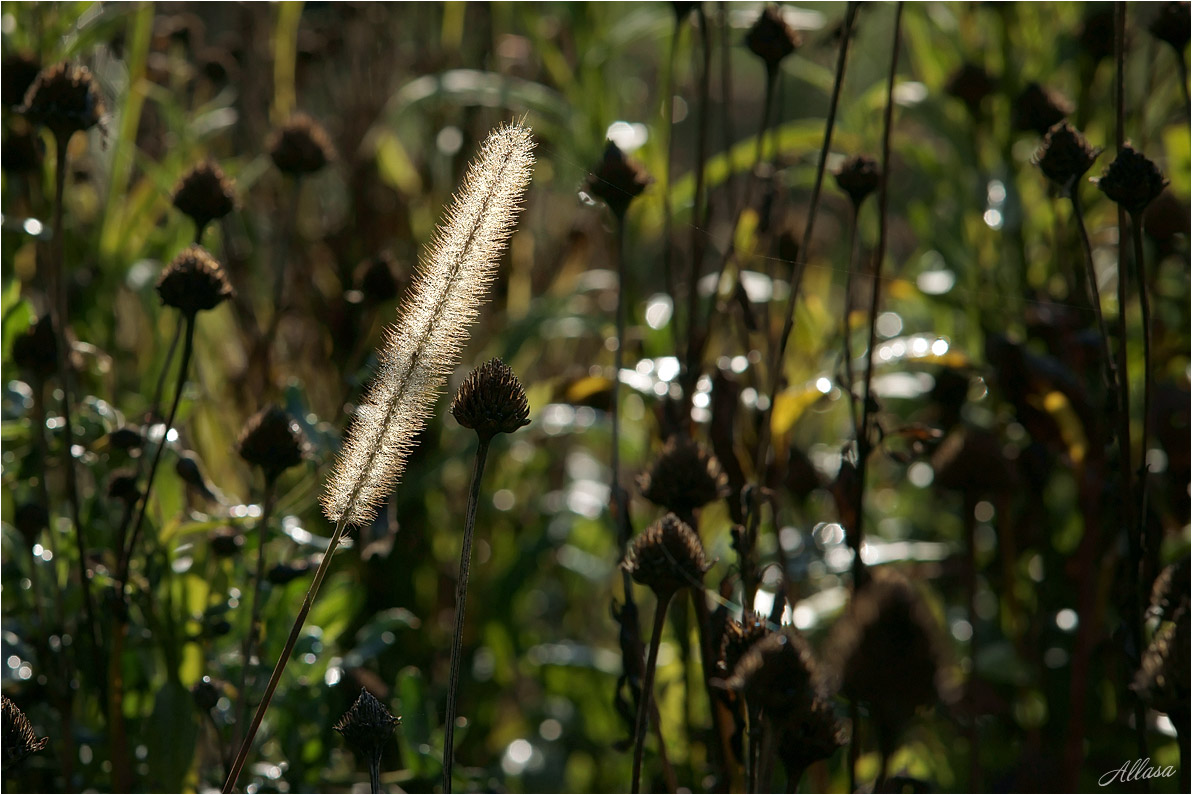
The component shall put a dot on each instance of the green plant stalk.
(250, 638)
(279, 668)
(461, 597)
(644, 705)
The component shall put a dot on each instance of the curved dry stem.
(647, 698)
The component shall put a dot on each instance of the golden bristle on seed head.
(1132, 181)
(685, 476)
(205, 194)
(438, 309)
(193, 282)
(272, 440)
(20, 740)
(300, 146)
(367, 725)
(667, 557)
(491, 401)
(65, 99)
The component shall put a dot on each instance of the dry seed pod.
(617, 180)
(771, 38)
(20, 740)
(1132, 181)
(667, 557)
(300, 146)
(859, 177)
(738, 639)
(777, 675)
(491, 401)
(193, 282)
(272, 440)
(684, 477)
(65, 99)
(367, 726)
(205, 194)
(1065, 155)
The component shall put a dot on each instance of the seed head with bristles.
(667, 557)
(20, 740)
(300, 146)
(684, 477)
(65, 99)
(193, 282)
(771, 38)
(367, 726)
(738, 639)
(1132, 181)
(491, 401)
(1065, 155)
(422, 347)
(205, 194)
(272, 440)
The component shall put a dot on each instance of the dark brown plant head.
(226, 542)
(367, 726)
(1170, 592)
(64, 99)
(1038, 109)
(859, 177)
(808, 736)
(272, 440)
(193, 282)
(1171, 24)
(300, 146)
(205, 194)
(36, 351)
(376, 279)
(777, 675)
(206, 693)
(19, 72)
(1065, 155)
(491, 401)
(617, 180)
(667, 557)
(738, 639)
(684, 477)
(122, 486)
(771, 38)
(126, 438)
(30, 518)
(284, 573)
(971, 84)
(1132, 181)
(1162, 680)
(20, 740)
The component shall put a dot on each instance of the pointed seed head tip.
(667, 557)
(193, 282)
(20, 740)
(367, 725)
(491, 401)
(859, 177)
(771, 38)
(617, 180)
(1065, 155)
(205, 194)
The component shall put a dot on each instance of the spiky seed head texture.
(205, 194)
(367, 726)
(771, 38)
(1132, 181)
(300, 146)
(1065, 155)
(738, 639)
(20, 740)
(272, 440)
(438, 309)
(193, 282)
(491, 401)
(667, 557)
(1038, 109)
(65, 99)
(685, 476)
(1170, 592)
(1162, 679)
(777, 674)
(859, 177)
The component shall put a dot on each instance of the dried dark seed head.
(491, 401)
(1038, 109)
(1171, 24)
(30, 518)
(284, 573)
(272, 440)
(617, 180)
(771, 39)
(777, 675)
(367, 726)
(18, 74)
(738, 639)
(1163, 677)
(205, 693)
(809, 736)
(122, 485)
(205, 194)
(300, 146)
(376, 279)
(971, 84)
(36, 351)
(667, 557)
(65, 99)
(127, 437)
(20, 740)
(194, 281)
(684, 477)
(1132, 181)
(859, 177)
(1065, 155)
(1170, 592)
(226, 542)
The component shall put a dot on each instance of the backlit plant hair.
(419, 352)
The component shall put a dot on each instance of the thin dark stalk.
(1148, 376)
(284, 659)
(619, 498)
(461, 597)
(848, 310)
(699, 222)
(864, 440)
(374, 773)
(159, 389)
(644, 705)
(1094, 291)
(281, 251)
(180, 384)
(753, 734)
(251, 637)
(668, 104)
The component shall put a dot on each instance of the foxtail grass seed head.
(36, 351)
(684, 477)
(1170, 592)
(193, 282)
(1039, 109)
(20, 740)
(421, 349)
(771, 38)
(272, 440)
(1132, 181)
(19, 72)
(300, 146)
(1163, 677)
(617, 180)
(64, 99)
(667, 557)
(491, 401)
(859, 177)
(1065, 155)
(1171, 24)
(30, 518)
(367, 726)
(205, 194)
(971, 84)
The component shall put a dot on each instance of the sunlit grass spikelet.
(422, 347)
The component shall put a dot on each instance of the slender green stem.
(284, 659)
(647, 698)
(461, 598)
(251, 637)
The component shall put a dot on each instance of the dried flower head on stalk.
(491, 401)
(771, 38)
(859, 177)
(738, 639)
(64, 99)
(20, 740)
(1065, 155)
(1132, 181)
(272, 440)
(205, 194)
(684, 477)
(667, 557)
(193, 282)
(300, 146)
(367, 725)
(618, 180)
